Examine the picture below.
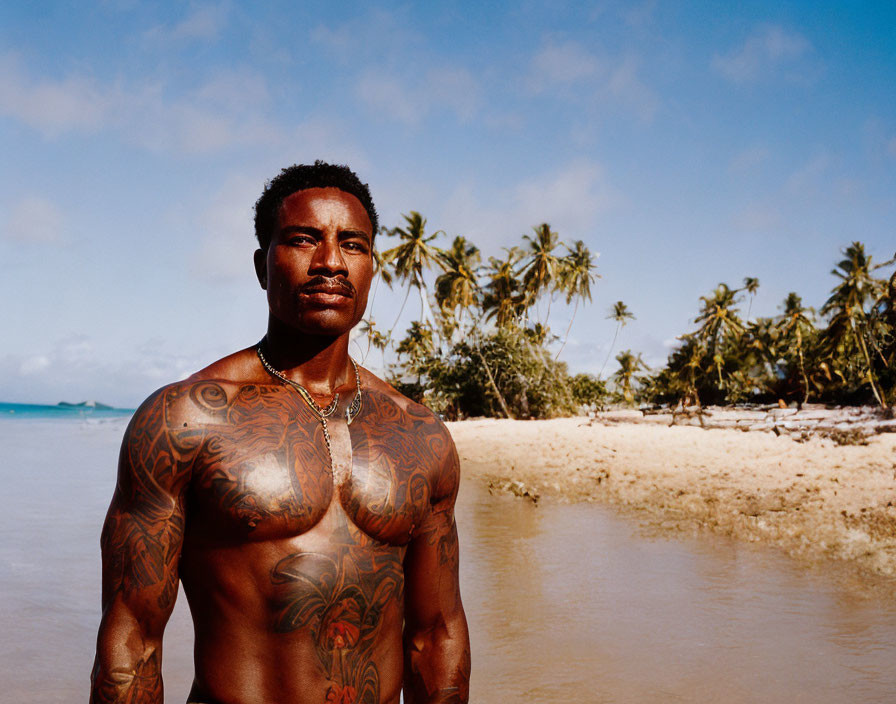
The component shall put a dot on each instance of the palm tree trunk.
(423, 317)
(799, 347)
(400, 311)
(612, 345)
(568, 328)
(491, 382)
(861, 340)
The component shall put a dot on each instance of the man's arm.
(141, 543)
(436, 641)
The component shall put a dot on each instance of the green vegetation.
(480, 345)
(844, 354)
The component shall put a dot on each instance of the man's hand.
(141, 543)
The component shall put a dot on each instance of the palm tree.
(846, 307)
(504, 299)
(374, 337)
(629, 365)
(457, 287)
(751, 286)
(720, 322)
(418, 343)
(621, 314)
(576, 276)
(541, 267)
(412, 256)
(792, 326)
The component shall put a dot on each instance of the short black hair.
(300, 177)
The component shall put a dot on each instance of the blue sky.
(687, 143)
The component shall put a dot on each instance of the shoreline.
(815, 497)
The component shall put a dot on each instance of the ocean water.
(15, 411)
(565, 603)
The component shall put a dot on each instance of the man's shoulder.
(405, 409)
(202, 397)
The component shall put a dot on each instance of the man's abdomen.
(316, 618)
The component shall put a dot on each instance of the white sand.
(816, 499)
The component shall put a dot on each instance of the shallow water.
(565, 603)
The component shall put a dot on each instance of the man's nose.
(328, 259)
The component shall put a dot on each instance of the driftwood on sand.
(845, 426)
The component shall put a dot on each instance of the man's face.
(318, 267)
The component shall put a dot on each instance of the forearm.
(437, 664)
(136, 683)
(128, 665)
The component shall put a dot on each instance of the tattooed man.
(306, 506)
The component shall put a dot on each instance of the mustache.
(328, 285)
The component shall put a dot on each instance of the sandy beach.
(815, 498)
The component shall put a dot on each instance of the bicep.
(144, 527)
(140, 546)
(431, 571)
(431, 564)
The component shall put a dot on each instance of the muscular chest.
(266, 474)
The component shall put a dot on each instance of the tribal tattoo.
(340, 598)
(250, 463)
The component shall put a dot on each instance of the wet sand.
(816, 499)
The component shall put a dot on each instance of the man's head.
(300, 177)
(315, 226)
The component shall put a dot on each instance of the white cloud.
(225, 250)
(34, 365)
(382, 35)
(75, 369)
(628, 88)
(204, 21)
(562, 64)
(329, 138)
(387, 95)
(571, 200)
(224, 112)
(209, 119)
(572, 71)
(52, 107)
(763, 51)
(34, 219)
(456, 89)
(451, 88)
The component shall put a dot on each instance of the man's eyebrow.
(300, 229)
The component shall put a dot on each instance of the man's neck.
(320, 363)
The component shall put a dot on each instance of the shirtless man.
(307, 507)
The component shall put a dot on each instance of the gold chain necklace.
(351, 412)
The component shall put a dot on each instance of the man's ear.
(261, 267)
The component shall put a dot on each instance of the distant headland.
(86, 404)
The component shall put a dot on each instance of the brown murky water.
(565, 603)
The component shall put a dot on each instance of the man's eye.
(355, 246)
(301, 240)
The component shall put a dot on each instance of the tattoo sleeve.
(437, 644)
(141, 543)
